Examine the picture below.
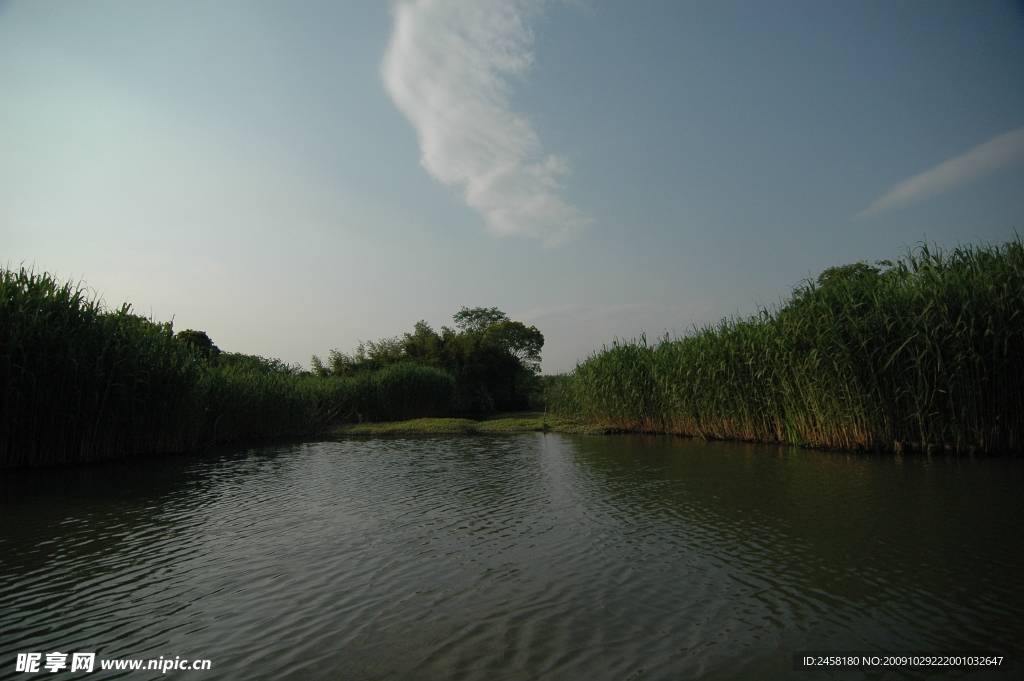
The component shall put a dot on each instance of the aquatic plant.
(922, 353)
(82, 383)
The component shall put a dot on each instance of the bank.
(512, 422)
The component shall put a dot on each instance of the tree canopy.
(494, 359)
(198, 340)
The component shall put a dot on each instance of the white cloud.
(448, 69)
(982, 160)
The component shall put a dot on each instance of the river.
(533, 556)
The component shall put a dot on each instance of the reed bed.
(82, 383)
(927, 353)
(246, 405)
(404, 391)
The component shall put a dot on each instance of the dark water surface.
(517, 557)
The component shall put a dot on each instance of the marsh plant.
(84, 383)
(923, 353)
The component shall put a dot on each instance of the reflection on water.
(518, 557)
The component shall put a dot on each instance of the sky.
(292, 177)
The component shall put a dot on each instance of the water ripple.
(537, 556)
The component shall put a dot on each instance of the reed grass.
(404, 391)
(82, 383)
(926, 354)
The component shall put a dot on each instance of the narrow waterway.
(515, 557)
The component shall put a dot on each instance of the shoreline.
(513, 422)
(540, 422)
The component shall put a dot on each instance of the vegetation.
(83, 383)
(923, 353)
(493, 359)
(246, 404)
(78, 380)
(518, 422)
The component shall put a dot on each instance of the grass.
(81, 383)
(517, 422)
(927, 354)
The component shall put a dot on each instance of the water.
(516, 557)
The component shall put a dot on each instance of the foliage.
(82, 383)
(199, 341)
(545, 391)
(493, 359)
(478, 319)
(926, 352)
(255, 364)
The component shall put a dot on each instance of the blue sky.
(293, 177)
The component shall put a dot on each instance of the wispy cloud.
(982, 160)
(448, 69)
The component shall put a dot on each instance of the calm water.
(518, 557)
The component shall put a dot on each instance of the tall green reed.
(81, 383)
(242, 404)
(926, 353)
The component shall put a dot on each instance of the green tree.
(198, 340)
(522, 342)
(478, 319)
(851, 272)
(423, 346)
(256, 364)
(493, 359)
